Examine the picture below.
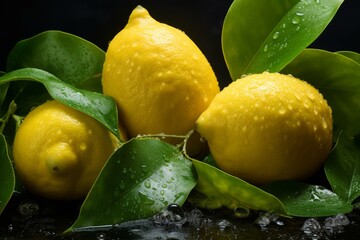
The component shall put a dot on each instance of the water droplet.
(241, 212)
(317, 1)
(83, 146)
(162, 192)
(101, 236)
(122, 185)
(124, 170)
(310, 95)
(224, 224)
(10, 228)
(147, 184)
(311, 228)
(300, 14)
(315, 128)
(164, 185)
(276, 35)
(295, 19)
(244, 128)
(265, 48)
(282, 111)
(144, 168)
(324, 124)
(176, 209)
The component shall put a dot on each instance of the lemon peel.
(267, 127)
(58, 151)
(159, 78)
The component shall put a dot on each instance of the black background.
(99, 20)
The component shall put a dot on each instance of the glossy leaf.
(338, 78)
(94, 104)
(7, 176)
(68, 57)
(142, 178)
(343, 169)
(265, 35)
(221, 189)
(304, 200)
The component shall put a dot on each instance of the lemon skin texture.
(58, 151)
(159, 78)
(267, 127)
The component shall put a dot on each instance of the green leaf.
(265, 35)
(69, 57)
(96, 105)
(342, 169)
(141, 178)
(302, 200)
(7, 176)
(338, 78)
(221, 189)
(353, 55)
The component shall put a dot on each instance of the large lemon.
(59, 151)
(268, 127)
(159, 78)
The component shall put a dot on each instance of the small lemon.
(59, 151)
(267, 127)
(159, 78)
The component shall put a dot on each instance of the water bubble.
(341, 219)
(168, 217)
(10, 227)
(28, 209)
(312, 228)
(176, 209)
(266, 219)
(224, 224)
(196, 213)
(101, 236)
(335, 224)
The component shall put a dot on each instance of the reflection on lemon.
(160, 79)
(267, 127)
(59, 151)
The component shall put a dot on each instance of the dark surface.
(30, 218)
(99, 20)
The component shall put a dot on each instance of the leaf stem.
(11, 111)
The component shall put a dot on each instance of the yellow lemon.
(159, 78)
(59, 151)
(267, 127)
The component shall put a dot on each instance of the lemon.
(159, 78)
(267, 127)
(58, 151)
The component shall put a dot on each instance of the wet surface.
(32, 219)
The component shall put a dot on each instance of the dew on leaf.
(276, 35)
